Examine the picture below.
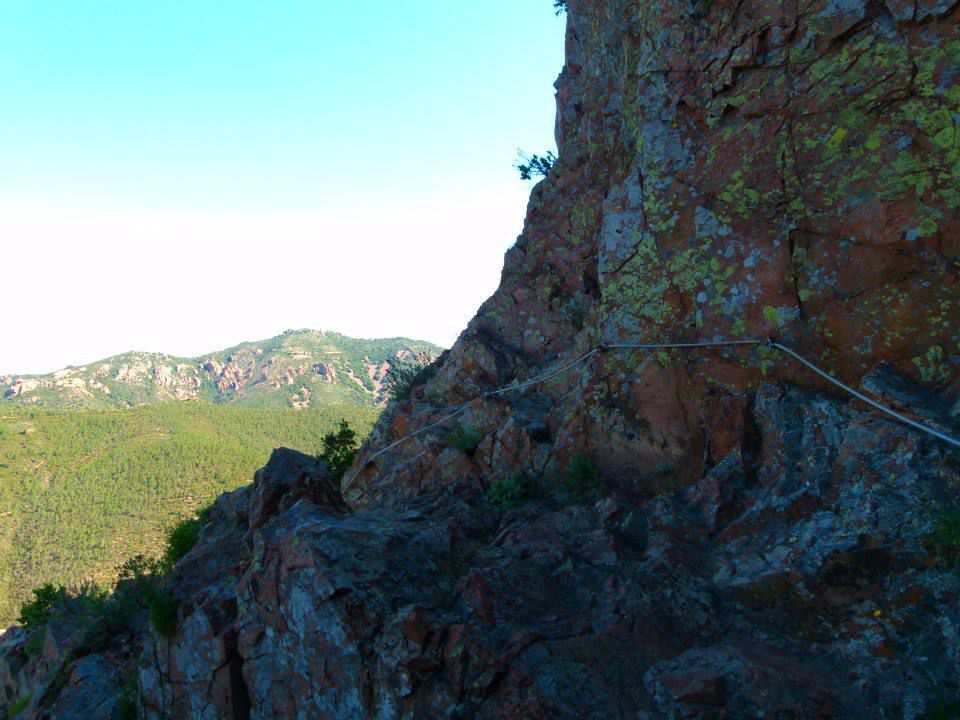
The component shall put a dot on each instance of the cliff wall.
(727, 170)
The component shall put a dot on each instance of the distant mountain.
(297, 369)
(86, 482)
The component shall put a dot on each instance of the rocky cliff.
(709, 533)
(727, 170)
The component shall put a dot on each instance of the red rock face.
(727, 170)
(326, 371)
(232, 377)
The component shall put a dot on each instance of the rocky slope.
(297, 369)
(688, 534)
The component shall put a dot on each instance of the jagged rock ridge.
(751, 544)
(298, 369)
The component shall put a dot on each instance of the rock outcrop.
(711, 533)
(727, 170)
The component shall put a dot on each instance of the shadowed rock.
(288, 477)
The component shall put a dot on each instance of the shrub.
(145, 574)
(126, 707)
(163, 613)
(403, 377)
(139, 567)
(465, 440)
(35, 613)
(104, 618)
(99, 617)
(19, 706)
(182, 538)
(534, 165)
(944, 710)
(510, 492)
(89, 609)
(946, 533)
(34, 644)
(339, 450)
(582, 481)
(664, 468)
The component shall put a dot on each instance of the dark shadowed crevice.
(239, 695)
(751, 446)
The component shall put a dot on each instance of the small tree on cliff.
(531, 166)
(339, 450)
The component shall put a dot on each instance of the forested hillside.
(81, 491)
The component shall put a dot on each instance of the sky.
(185, 175)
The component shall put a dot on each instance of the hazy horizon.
(181, 179)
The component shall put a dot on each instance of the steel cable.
(768, 342)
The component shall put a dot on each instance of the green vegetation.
(582, 481)
(946, 534)
(559, 6)
(943, 710)
(101, 616)
(34, 645)
(403, 377)
(531, 166)
(466, 440)
(19, 706)
(140, 578)
(512, 491)
(163, 613)
(182, 537)
(80, 491)
(92, 611)
(579, 484)
(126, 708)
(339, 450)
(97, 618)
(36, 612)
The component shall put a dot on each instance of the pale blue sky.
(183, 175)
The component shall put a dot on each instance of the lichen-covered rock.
(727, 170)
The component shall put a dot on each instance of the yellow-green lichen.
(931, 366)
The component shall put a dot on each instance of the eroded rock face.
(795, 579)
(727, 171)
